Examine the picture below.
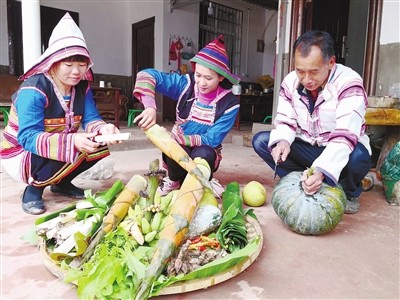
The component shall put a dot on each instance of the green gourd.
(308, 214)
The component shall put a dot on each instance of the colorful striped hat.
(66, 40)
(214, 57)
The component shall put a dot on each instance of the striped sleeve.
(150, 81)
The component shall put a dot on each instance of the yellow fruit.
(254, 194)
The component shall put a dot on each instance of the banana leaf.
(232, 233)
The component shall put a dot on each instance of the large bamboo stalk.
(162, 139)
(176, 226)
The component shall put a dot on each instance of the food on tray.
(131, 243)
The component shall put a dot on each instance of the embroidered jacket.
(336, 120)
(201, 123)
(44, 126)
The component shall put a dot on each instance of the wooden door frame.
(371, 45)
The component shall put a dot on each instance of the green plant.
(308, 214)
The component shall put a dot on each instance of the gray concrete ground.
(358, 260)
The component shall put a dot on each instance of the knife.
(276, 165)
(112, 137)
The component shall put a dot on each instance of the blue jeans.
(303, 154)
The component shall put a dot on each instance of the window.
(226, 21)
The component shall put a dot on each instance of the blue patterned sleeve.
(30, 103)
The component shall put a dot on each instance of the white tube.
(31, 36)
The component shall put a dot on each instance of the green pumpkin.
(308, 214)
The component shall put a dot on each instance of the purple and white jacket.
(337, 121)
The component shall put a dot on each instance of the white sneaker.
(218, 189)
(167, 186)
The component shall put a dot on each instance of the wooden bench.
(384, 111)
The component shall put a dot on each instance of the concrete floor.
(358, 260)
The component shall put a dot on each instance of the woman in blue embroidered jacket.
(41, 145)
(206, 109)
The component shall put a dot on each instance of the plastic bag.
(102, 170)
(390, 172)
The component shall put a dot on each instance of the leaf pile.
(114, 270)
(232, 233)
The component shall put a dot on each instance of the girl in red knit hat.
(206, 109)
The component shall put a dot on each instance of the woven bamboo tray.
(179, 287)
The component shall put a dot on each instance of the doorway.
(142, 51)
(355, 27)
(346, 21)
(142, 47)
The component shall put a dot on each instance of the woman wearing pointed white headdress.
(41, 145)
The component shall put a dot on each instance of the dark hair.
(320, 39)
(78, 58)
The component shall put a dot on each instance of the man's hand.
(146, 119)
(311, 184)
(280, 152)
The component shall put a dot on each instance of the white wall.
(183, 22)
(390, 27)
(107, 27)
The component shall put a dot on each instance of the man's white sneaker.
(218, 189)
(168, 185)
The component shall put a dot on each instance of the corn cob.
(176, 226)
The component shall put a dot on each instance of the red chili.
(195, 240)
(202, 248)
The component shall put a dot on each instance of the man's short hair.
(320, 39)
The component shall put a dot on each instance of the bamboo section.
(162, 139)
(176, 227)
(117, 213)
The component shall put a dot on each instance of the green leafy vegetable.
(232, 233)
(113, 271)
